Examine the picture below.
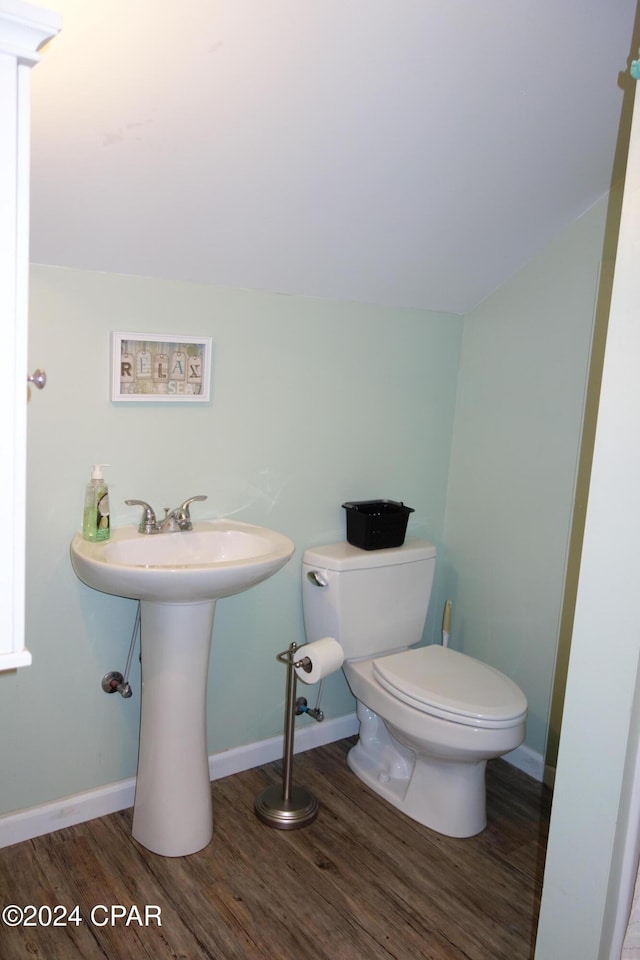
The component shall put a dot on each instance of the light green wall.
(517, 429)
(313, 403)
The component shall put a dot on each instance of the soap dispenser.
(96, 523)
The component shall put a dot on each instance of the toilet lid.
(449, 684)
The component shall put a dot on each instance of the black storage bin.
(376, 524)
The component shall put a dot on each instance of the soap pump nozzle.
(96, 471)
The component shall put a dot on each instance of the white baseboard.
(307, 737)
(47, 817)
(527, 760)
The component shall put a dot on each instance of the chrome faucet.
(174, 520)
(178, 518)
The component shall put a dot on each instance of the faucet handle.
(148, 523)
(184, 507)
(182, 514)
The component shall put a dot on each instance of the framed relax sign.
(154, 367)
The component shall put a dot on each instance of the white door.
(23, 28)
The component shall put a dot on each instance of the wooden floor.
(363, 882)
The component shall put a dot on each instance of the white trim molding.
(112, 797)
(23, 28)
(529, 761)
(47, 817)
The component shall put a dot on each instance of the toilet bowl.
(441, 781)
(430, 717)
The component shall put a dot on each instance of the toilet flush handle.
(317, 579)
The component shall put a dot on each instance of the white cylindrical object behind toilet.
(325, 656)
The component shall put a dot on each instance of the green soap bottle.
(96, 523)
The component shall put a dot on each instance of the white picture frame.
(160, 368)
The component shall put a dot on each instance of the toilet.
(430, 717)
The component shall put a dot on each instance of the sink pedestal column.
(172, 810)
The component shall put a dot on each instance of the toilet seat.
(451, 685)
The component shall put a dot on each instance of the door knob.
(38, 378)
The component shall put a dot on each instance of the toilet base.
(446, 796)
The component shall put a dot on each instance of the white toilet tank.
(371, 601)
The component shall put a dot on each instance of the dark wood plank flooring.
(362, 881)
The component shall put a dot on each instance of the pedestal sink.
(178, 577)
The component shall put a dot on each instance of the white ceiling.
(404, 152)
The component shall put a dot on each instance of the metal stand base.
(286, 807)
(299, 810)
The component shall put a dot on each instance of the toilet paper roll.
(325, 656)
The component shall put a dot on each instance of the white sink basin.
(216, 559)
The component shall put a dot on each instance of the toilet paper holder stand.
(288, 807)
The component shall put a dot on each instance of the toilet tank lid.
(344, 556)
